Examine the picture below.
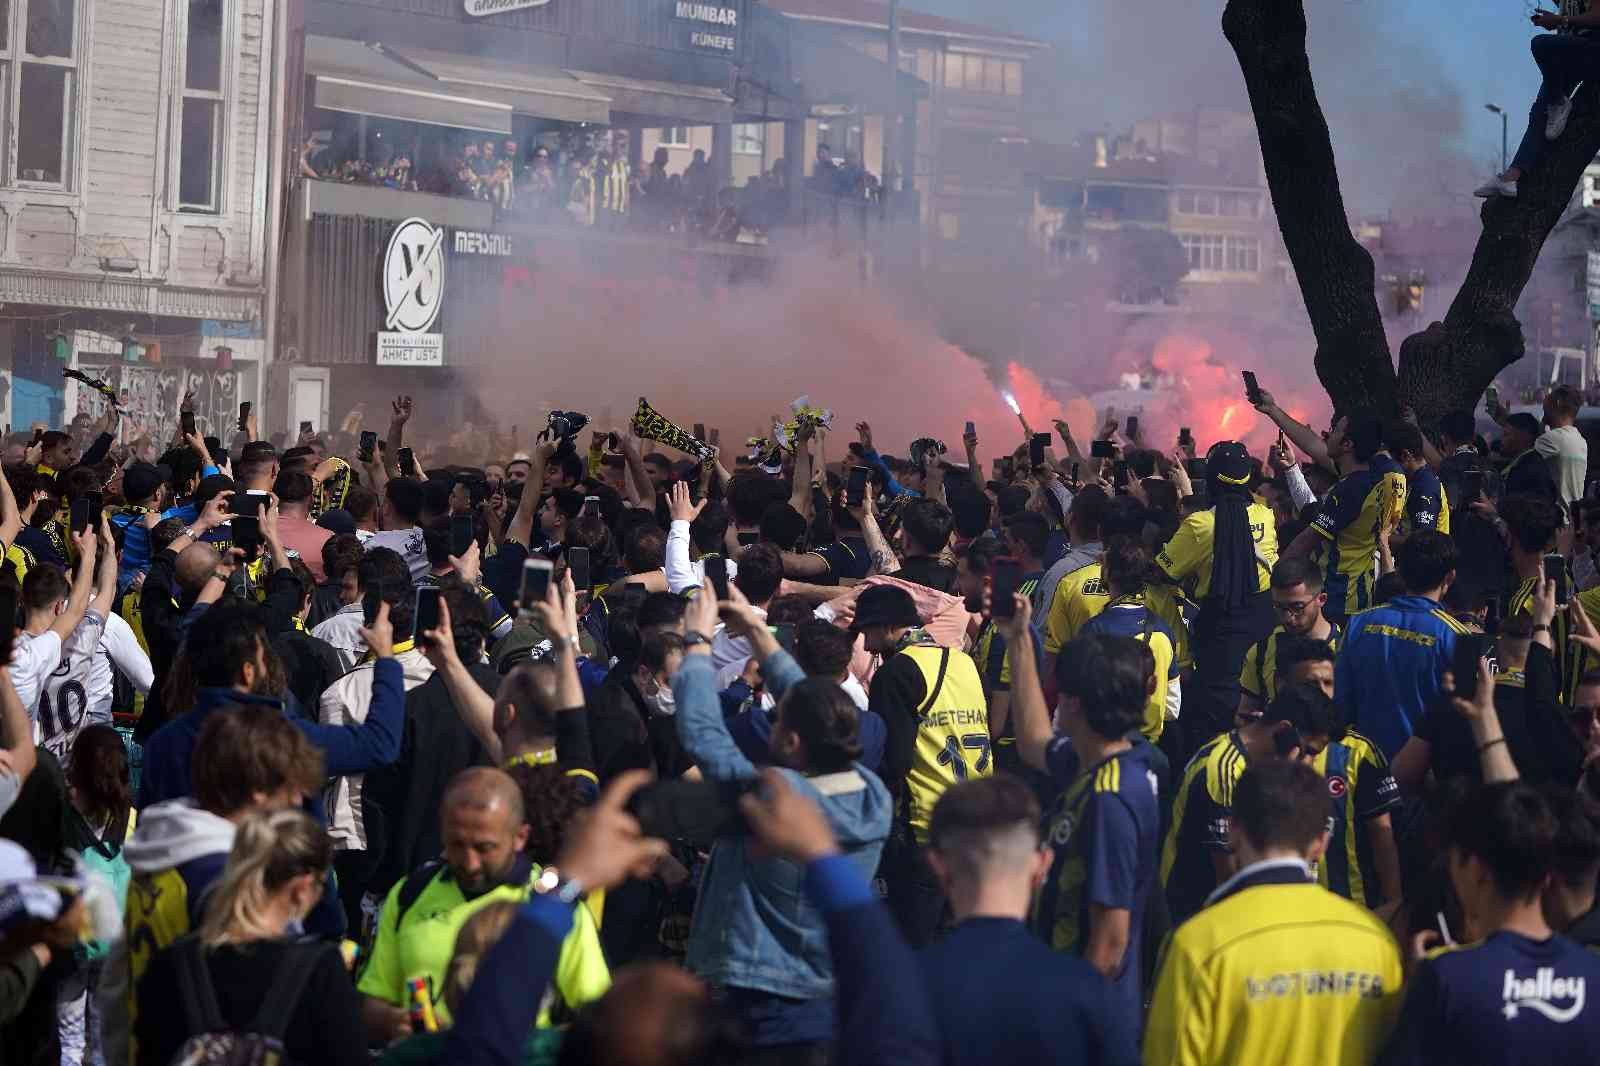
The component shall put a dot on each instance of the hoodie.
(346, 704)
(175, 855)
(753, 929)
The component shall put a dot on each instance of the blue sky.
(1403, 84)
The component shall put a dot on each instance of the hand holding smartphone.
(535, 584)
(368, 446)
(1252, 390)
(1003, 583)
(717, 574)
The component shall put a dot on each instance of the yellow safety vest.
(952, 731)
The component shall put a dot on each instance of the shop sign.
(482, 8)
(471, 242)
(713, 26)
(413, 288)
(410, 349)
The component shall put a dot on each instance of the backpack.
(104, 856)
(260, 1043)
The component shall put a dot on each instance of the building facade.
(135, 201)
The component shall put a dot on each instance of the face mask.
(662, 703)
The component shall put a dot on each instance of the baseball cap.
(141, 480)
(1525, 422)
(1229, 462)
(337, 521)
(885, 605)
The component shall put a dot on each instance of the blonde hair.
(270, 849)
(481, 932)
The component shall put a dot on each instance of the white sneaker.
(1496, 187)
(1555, 118)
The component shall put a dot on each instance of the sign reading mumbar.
(727, 18)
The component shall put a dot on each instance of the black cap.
(1229, 462)
(1525, 422)
(337, 521)
(885, 605)
(141, 480)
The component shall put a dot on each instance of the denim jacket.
(753, 926)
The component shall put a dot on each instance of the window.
(1243, 254)
(203, 109)
(675, 136)
(1013, 77)
(749, 138)
(43, 78)
(1211, 251)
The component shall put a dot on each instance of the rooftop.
(874, 14)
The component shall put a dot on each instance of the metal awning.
(675, 102)
(541, 92)
(362, 78)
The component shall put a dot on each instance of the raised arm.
(18, 750)
(1029, 716)
(475, 706)
(83, 585)
(1304, 437)
(402, 409)
(701, 727)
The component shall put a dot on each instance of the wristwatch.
(1542, 627)
(691, 640)
(551, 883)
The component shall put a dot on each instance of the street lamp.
(1498, 110)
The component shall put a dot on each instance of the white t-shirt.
(1567, 454)
(410, 545)
(63, 708)
(32, 660)
(118, 650)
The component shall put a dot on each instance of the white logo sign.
(410, 349)
(413, 276)
(480, 8)
(1540, 993)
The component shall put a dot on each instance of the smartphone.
(244, 414)
(1286, 740)
(1119, 474)
(633, 595)
(369, 607)
(1196, 469)
(1133, 427)
(1185, 438)
(1472, 485)
(247, 503)
(535, 583)
(1252, 390)
(972, 429)
(855, 491)
(591, 505)
(305, 428)
(246, 533)
(716, 437)
(1003, 583)
(1555, 569)
(1469, 649)
(407, 461)
(699, 431)
(717, 572)
(578, 566)
(1036, 446)
(86, 511)
(784, 635)
(699, 812)
(1102, 449)
(1008, 469)
(368, 446)
(748, 538)
(1491, 615)
(1075, 473)
(186, 419)
(462, 534)
(426, 615)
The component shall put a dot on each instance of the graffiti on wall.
(151, 395)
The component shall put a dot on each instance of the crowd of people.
(595, 184)
(590, 754)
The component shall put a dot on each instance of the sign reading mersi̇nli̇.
(482, 8)
(713, 26)
(413, 289)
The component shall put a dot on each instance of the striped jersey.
(1360, 788)
(1355, 510)
(1200, 812)
(1260, 674)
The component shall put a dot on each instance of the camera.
(924, 449)
(564, 425)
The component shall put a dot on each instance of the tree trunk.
(1446, 366)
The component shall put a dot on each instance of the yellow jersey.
(1259, 677)
(953, 742)
(1275, 971)
(1081, 595)
(1356, 509)
(1187, 556)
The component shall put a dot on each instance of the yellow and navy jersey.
(1131, 618)
(1168, 603)
(1081, 595)
(1356, 509)
(953, 742)
(331, 494)
(1260, 674)
(1278, 971)
(161, 906)
(20, 560)
(1426, 504)
(1200, 812)
(991, 653)
(1187, 556)
(1102, 832)
(498, 618)
(1360, 788)
(1389, 667)
(1571, 658)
